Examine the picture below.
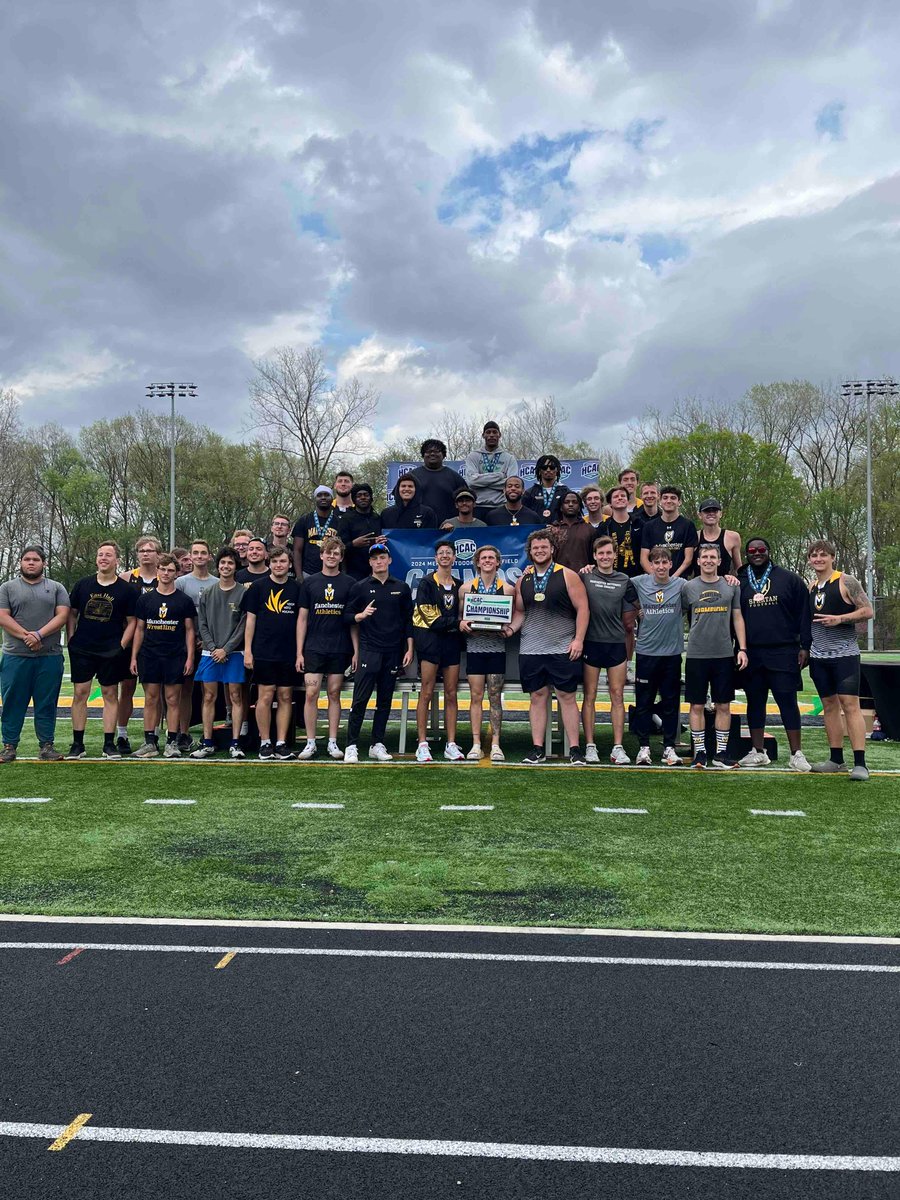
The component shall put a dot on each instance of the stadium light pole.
(855, 389)
(162, 391)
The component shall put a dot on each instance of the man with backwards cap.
(360, 528)
(487, 469)
(311, 530)
(712, 534)
(775, 605)
(382, 608)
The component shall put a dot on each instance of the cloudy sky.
(468, 202)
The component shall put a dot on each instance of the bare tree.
(298, 411)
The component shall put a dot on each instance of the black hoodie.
(410, 514)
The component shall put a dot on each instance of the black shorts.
(445, 650)
(272, 673)
(537, 671)
(325, 664)
(107, 669)
(773, 667)
(715, 675)
(604, 654)
(492, 663)
(835, 676)
(165, 671)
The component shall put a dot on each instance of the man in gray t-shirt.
(660, 642)
(33, 609)
(715, 611)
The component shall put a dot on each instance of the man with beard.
(360, 529)
(545, 496)
(33, 609)
(513, 510)
(775, 604)
(408, 511)
(487, 469)
(343, 485)
(437, 483)
(311, 530)
(465, 517)
(257, 562)
(572, 537)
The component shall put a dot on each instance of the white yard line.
(467, 808)
(25, 799)
(169, 800)
(458, 1149)
(642, 812)
(312, 805)
(777, 812)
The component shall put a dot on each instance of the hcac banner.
(412, 551)
(576, 472)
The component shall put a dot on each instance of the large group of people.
(611, 573)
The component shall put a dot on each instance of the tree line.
(787, 460)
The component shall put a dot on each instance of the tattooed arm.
(853, 592)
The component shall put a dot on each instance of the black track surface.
(647, 1057)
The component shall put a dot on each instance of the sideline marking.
(682, 935)
(313, 805)
(454, 1149)
(777, 812)
(68, 957)
(25, 799)
(170, 800)
(70, 1131)
(590, 960)
(636, 811)
(467, 807)
(225, 960)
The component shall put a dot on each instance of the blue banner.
(576, 472)
(412, 551)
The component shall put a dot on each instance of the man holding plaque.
(551, 609)
(485, 651)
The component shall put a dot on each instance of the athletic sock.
(151, 737)
(208, 742)
(109, 739)
(698, 738)
(837, 754)
(78, 737)
(122, 731)
(859, 758)
(170, 738)
(721, 740)
(538, 749)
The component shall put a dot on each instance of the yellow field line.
(225, 960)
(70, 1131)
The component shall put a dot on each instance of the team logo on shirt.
(660, 596)
(670, 533)
(448, 600)
(275, 604)
(819, 600)
(329, 592)
(163, 611)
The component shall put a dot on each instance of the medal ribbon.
(549, 493)
(489, 462)
(758, 584)
(479, 587)
(540, 581)
(320, 528)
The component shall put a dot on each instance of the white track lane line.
(25, 799)
(313, 805)
(776, 812)
(459, 1149)
(169, 800)
(467, 808)
(638, 812)
(587, 960)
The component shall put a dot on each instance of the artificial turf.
(697, 860)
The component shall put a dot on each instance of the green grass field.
(697, 860)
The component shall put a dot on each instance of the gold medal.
(539, 597)
(758, 598)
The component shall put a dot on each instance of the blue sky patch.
(830, 120)
(658, 248)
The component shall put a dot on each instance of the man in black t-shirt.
(100, 628)
(162, 654)
(360, 529)
(326, 645)
(143, 578)
(270, 651)
(670, 529)
(257, 562)
(310, 531)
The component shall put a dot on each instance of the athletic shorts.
(713, 675)
(604, 654)
(445, 650)
(537, 671)
(492, 663)
(836, 676)
(161, 670)
(326, 664)
(269, 673)
(106, 669)
(773, 667)
(232, 670)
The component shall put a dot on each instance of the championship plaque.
(487, 612)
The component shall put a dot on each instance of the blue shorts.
(230, 671)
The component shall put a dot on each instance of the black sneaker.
(185, 743)
(123, 746)
(535, 758)
(721, 762)
(283, 752)
(111, 750)
(576, 757)
(265, 750)
(699, 760)
(77, 750)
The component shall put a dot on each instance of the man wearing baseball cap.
(310, 531)
(464, 499)
(712, 534)
(487, 469)
(360, 528)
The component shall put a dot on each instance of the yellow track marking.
(70, 1131)
(225, 960)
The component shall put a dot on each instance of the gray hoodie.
(486, 473)
(220, 620)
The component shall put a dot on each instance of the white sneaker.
(618, 757)
(590, 753)
(423, 754)
(171, 750)
(236, 752)
(203, 751)
(759, 758)
(799, 762)
(474, 754)
(643, 757)
(351, 755)
(309, 750)
(453, 753)
(148, 750)
(379, 753)
(334, 750)
(629, 674)
(497, 754)
(671, 758)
